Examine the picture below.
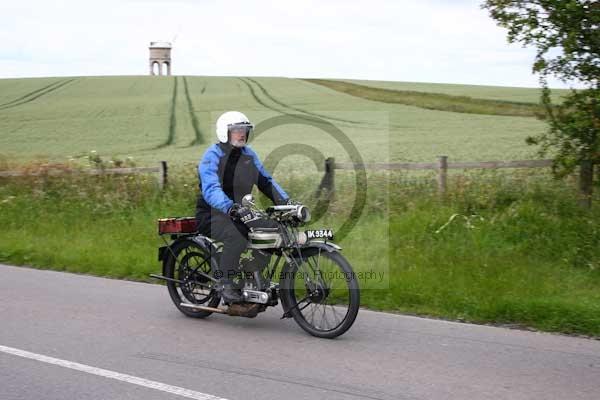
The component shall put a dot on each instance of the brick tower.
(160, 56)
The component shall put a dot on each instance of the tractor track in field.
(282, 104)
(258, 100)
(32, 93)
(36, 94)
(199, 137)
(277, 110)
(172, 118)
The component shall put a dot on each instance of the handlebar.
(296, 213)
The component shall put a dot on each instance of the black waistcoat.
(237, 175)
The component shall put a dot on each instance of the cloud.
(426, 41)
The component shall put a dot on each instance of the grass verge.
(517, 251)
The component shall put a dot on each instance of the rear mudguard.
(164, 252)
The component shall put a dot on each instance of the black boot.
(229, 293)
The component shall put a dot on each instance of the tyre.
(185, 263)
(321, 293)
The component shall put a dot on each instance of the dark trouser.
(233, 235)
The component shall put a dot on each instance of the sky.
(444, 41)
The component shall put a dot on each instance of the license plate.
(319, 234)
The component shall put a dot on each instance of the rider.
(227, 171)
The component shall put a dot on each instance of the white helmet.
(229, 119)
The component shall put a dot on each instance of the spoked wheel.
(189, 264)
(321, 293)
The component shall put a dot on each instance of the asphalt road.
(67, 336)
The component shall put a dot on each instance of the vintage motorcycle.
(315, 283)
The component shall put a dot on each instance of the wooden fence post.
(586, 180)
(328, 181)
(163, 173)
(442, 174)
(330, 171)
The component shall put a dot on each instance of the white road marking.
(176, 390)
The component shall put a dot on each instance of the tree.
(566, 35)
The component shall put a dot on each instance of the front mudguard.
(317, 244)
(286, 283)
(321, 244)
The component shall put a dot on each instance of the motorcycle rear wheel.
(186, 259)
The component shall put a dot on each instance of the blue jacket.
(227, 173)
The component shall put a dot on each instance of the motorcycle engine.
(257, 261)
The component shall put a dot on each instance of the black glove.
(244, 214)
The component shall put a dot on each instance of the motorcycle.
(315, 283)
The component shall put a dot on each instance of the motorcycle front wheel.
(321, 292)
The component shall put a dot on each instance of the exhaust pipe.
(202, 308)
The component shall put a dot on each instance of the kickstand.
(288, 314)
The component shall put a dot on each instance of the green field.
(172, 118)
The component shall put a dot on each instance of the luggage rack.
(177, 226)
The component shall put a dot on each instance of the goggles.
(240, 128)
